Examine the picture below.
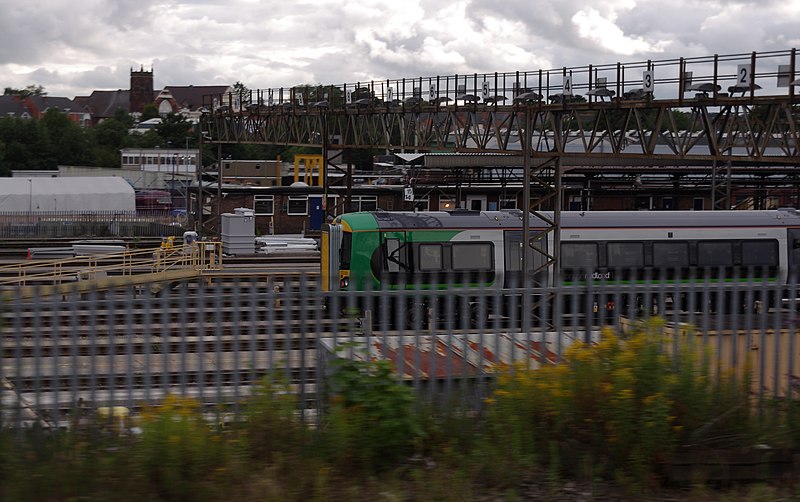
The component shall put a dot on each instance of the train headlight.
(344, 282)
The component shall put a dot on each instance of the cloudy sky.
(72, 47)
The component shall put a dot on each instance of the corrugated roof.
(458, 355)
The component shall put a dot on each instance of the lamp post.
(186, 178)
(172, 184)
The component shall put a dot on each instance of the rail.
(214, 342)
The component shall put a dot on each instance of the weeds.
(616, 412)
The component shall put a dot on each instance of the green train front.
(431, 250)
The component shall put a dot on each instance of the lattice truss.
(764, 131)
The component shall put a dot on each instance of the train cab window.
(472, 256)
(715, 253)
(671, 254)
(625, 254)
(579, 255)
(345, 250)
(760, 253)
(430, 257)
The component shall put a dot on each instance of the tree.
(108, 137)
(31, 90)
(66, 140)
(27, 148)
(150, 112)
(174, 129)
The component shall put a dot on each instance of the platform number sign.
(567, 85)
(270, 99)
(743, 75)
(647, 81)
(349, 96)
(485, 90)
(408, 194)
(389, 94)
(432, 92)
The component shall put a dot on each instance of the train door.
(793, 255)
(396, 258)
(537, 257)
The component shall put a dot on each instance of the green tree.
(174, 129)
(150, 112)
(108, 137)
(3, 170)
(31, 90)
(27, 148)
(245, 96)
(68, 143)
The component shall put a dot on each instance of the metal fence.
(70, 224)
(67, 355)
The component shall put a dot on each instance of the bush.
(178, 455)
(371, 422)
(620, 408)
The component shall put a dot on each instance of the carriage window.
(472, 256)
(755, 253)
(671, 254)
(579, 255)
(625, 254)
(714, 253)
(430, 256)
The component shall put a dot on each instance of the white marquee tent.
(85, 194)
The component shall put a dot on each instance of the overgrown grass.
(617, 412)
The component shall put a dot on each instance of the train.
(381, 250)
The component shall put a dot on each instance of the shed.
(85, 194)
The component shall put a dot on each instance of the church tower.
(141, 93)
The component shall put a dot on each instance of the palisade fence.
(73, 224)
(67, 357)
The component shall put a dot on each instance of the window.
(579, 255)
(363, 203)
(446, 204)
(297, 205)
(644, 203)
(264, 204)
(393, 255)
(227, 165)
(759, 253)
(625, 254)
(422, 204)
(508, 203)
(430, 257)
(472, 256)
(258, 166)
(714, 253)
(671, 254)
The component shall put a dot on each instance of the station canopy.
(84, 194)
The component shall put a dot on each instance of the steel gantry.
(720, 111)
